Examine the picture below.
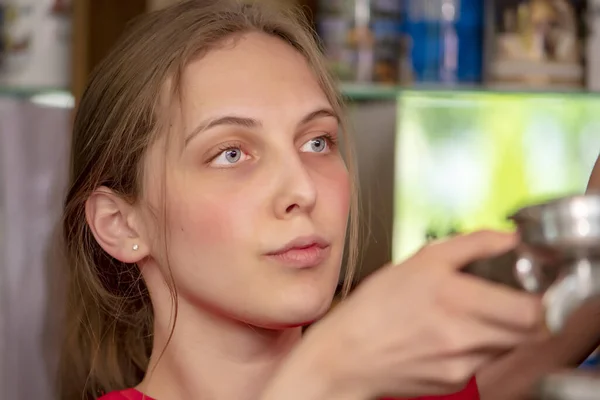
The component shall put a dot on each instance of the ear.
(115, 225)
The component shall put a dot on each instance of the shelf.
(358, 92)
(45, 96)
(374, 92)
(58, 97)
(27, 92)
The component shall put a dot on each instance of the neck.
(210, 356)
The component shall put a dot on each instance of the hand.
(517, 374)
(423, 327)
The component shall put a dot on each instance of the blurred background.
(462, 111)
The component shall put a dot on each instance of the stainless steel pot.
(559, 255)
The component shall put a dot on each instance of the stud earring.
(135, 247)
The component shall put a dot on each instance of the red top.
(469, 393)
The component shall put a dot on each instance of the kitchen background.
(462, 111)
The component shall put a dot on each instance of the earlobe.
(112, 222)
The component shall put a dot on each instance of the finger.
(464, 336)
(443, 376)
(491, 302)
(492, 340)
(462, 250)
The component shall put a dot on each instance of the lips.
(303, 252)
(302, 243)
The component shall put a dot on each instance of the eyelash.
(332, 142)
(228, 146)
(225, 147)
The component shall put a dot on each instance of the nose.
(297, 192)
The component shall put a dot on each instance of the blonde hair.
(109, 316)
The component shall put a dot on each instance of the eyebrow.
(251, 123)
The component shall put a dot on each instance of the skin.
(240, 312)
(594, 183)
(514, 376)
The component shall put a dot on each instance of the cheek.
(337, 191)
(208, 222)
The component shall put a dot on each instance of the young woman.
(205, 226)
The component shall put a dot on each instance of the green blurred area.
(467, 160)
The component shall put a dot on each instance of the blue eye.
(232, 156)
(229, 157)
(321, 144)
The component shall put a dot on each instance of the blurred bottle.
(445, 40)
(593, 46)
(2, 5)
(362, 39)
(538, 44)
(37, 43)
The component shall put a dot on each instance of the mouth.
(303, 252)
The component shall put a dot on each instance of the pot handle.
(516, 269)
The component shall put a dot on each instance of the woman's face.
(257, 194)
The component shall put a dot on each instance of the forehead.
(254, 73)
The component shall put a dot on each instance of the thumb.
(461, 250)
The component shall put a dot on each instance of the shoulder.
(470, 392)
(129, 394)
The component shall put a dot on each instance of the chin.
(300, 309)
